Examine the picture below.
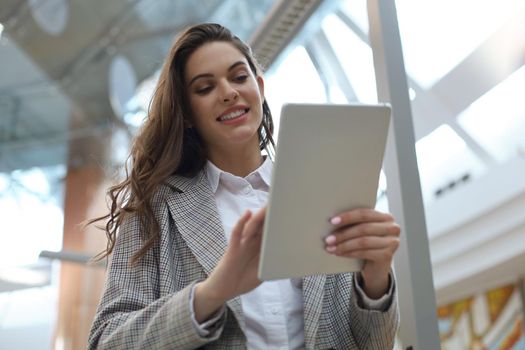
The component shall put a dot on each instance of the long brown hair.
(165, 145)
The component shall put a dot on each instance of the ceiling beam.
(328, 66)
(431, 108)
(487, 66)
(281, 26)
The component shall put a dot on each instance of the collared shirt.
(274, 310)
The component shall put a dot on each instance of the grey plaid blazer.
(147, 306)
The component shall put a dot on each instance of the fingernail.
(330, 239)
(335, 220)
(330, 249)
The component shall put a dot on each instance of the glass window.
(497, 119)
(357, 11)
(437, 35)
(355, 57)
(294, 79)
(32, 214)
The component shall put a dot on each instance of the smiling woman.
(225, 97)
(190, 216)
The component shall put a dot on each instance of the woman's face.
(225, 97)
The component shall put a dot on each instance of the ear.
(260, 82)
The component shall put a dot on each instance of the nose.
(229, 94)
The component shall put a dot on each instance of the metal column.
(419, 328)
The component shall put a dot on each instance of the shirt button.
(246, 190)
(274, 310)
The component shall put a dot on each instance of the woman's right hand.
(236, 272)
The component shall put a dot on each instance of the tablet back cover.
(328, 160)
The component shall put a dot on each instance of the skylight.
(437, 35)
(295, 79)
(497, 119)
(357, 11)
(355, 57)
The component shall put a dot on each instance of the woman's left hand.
(368, 235)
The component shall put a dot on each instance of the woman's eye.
(203, 90)
(241, 78)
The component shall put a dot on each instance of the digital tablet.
(328, 160)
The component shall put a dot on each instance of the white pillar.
(419, 328)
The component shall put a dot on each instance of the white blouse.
(274, 310)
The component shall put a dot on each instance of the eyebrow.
(209, 75)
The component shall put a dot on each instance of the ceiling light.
(51, 15)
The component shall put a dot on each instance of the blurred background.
(76, 78)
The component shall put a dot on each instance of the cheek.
(260, 104)
(194, 104)
(198, 109)
(259, 97)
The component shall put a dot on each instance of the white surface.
(328, 160)
(475, 233)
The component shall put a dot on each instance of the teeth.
(232, 115)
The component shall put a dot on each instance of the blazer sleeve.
(375, 329)
(132, 313)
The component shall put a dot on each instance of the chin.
(245, 136)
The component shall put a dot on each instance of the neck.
(240, 161)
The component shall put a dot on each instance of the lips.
(233, 113)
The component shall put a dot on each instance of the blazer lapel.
(313, 293)
(195, 214)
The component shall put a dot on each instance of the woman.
(190, 215)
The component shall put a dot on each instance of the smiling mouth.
(233, 115)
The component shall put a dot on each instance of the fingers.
(366, 247)
(364, 234)
(367, 229)
(358, 216)
(376, 255)
(254, 226)
(239, 228)
(260, 216)
(248, 227)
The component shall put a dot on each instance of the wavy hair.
(164, 145)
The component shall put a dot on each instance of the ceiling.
(57, 57)
(68, 69)
(57, 101)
